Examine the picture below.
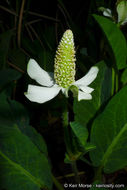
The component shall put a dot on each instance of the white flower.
(122, 12)
(63, 77)
(121, 9)
(107, 12)
(49, 89)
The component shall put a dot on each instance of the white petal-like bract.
(65, 91)
(107, 12)
(41, 94)
(89, 77)
(85, 89)
(122, 12)
(37, 73)
(84, 96)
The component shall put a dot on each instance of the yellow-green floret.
(64, 71)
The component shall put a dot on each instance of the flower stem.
(98, 174)
(75, 170)
(117, 83)
(57, 184)
(67, 117)
(113, 82)
(66, 130)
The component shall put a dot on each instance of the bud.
(122, 11)
(106, 12)
(64, 68)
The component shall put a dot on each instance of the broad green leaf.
(86, 110)
(109, 134)
(7, 76)
(13, 112)
(21, 118)
(35, 137)
(22, 165)
(115, 39)
(89, 146)
(80, 132)
(79, 137)
(124, 77)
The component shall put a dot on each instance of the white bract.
(121, 11)
(107, 12)
(63, 77)
(50, 89)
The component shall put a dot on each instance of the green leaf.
(89, 146)
(124, 77)
(79, 137)
(80, 132)
(23, 145)
(109, 134)
(7, 76)
(13, 112)
(86, 110)
(22, 165)
(115, 39)
(21, 118)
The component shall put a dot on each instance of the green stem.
(75, 170)
(113, 81)
(66, 130)
(57, 184)
(98, 174)
(117, 82)
(68, 142)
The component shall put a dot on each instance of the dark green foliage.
(119, 46)
(23, 153)
(86, 110)
(109, 134)
(18, 156)
(7, 76)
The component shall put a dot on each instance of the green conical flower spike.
(64, 72)
(64, 75)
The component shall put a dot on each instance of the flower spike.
(64, 72)
(64, 75)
